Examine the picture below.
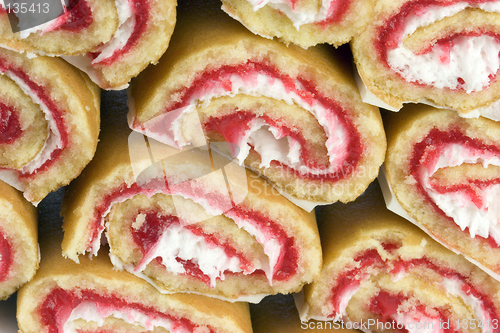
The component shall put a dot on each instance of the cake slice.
(389, 275)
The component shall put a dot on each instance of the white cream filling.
(454, 287)
(270, 144)
(45, 27)
(167, 128)
(118, 41)
(471, 58)
(52, 142)
(483, 221)
(298, 17)
(91, 311)
(178, 242)
(118, 264)
(394, 206)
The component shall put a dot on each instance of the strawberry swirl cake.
(292, 115)
(19, 253)
(141, 38)
(188, 221)
(445, 172)
(302, 22)
(112, 41)
(82, 26)
(93, 297)
(443, 53)
(390, 276)
(50, 123)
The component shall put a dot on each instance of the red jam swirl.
(141, 11)
(337, 11)
(6, 258)
(386, 305)
(371, 260)
(309, 95)
(287, 263)
(155, 224)
(390, 34)
(10, 127)
(427, 151)
(43, 95)
(57, 307)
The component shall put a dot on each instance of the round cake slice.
(302, 22)
(188, 220)
(442, 53)
(142, 36)
(93, 297)
(50, 123)
(292, 115)
(388, 275)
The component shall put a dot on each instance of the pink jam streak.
(155, 224)
(232, 125)
(386, 305)
(371, 259)
(57, 307)
(287, 263)
(56, 113)
(308, 93)
(141, 10)
(336, 13)
(427, 151)
(5, 257)
(390, 34)
(10, 128)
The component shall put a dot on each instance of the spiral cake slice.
(65, 27)
(50, 123)
(445, 172)
(142, 36)
(391, 276)
(93, 297)
(305, 23)
(444, 53)
(18, 240)
(292, 115)
(189, 221)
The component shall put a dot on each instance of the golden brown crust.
(269, 22)
(32, 123)
(411, 126)
(18, 225)
(216, 41)
(99, 276)
(111, 169)
(392, 89)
